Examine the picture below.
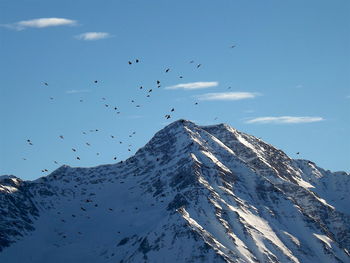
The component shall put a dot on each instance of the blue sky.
(288, 76)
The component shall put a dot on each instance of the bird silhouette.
(199, 65)
(74, 150)
(130, 62)
(46, 84)
(172, 109)
(167, 70)
(141, 87)
(61, 136)
(137, 61)
(95, 81)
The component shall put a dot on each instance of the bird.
(112, 136)
(181, 77)
(74, 150)
(199, 65)
(138, 106)
(167, 70)
(150, 90)
(104, 98)
(229, 87)
(132, 101)
(130, 62)
(192, 61)
(141, 87)
(115, 108)
(158, 82)
(97, 153)
(88, 144)
(95, 81)
(167, 116)
(137, 61)
(232, 46)
(196, 103)
(24, 159)
(61, 136)
(78, 158)
(84, 132)
(55, 162)
(115, 158)
(298, 152)
(106, 105)
(51, 98)
(172, 109)
(46, 84)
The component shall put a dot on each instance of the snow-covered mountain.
(192, 194)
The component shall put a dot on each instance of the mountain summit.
(191, 194)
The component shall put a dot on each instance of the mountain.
(191, 194)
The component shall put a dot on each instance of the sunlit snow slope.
(192, 194)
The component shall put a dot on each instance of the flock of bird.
(150, 91)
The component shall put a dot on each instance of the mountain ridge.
(227, 195)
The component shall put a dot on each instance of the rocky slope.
(192, 194)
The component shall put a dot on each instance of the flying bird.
(46, 84)
(61, 136)
(95, 81)
(137, 61)
(130, 62)
(199, 65)
(172, 109)
(167, 70)
(74, 150)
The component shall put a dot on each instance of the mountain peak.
(191, 194)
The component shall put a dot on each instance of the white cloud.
(228, 96)
(77, 91)
(194, 85)
(285, 119)
(41, 23)
(93, 36)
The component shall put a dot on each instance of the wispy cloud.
(194, 85)
(88, 36)
(228, 96)
(285, 120)
(41, 23)
(77, 91)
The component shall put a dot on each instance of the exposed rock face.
(192, 194)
